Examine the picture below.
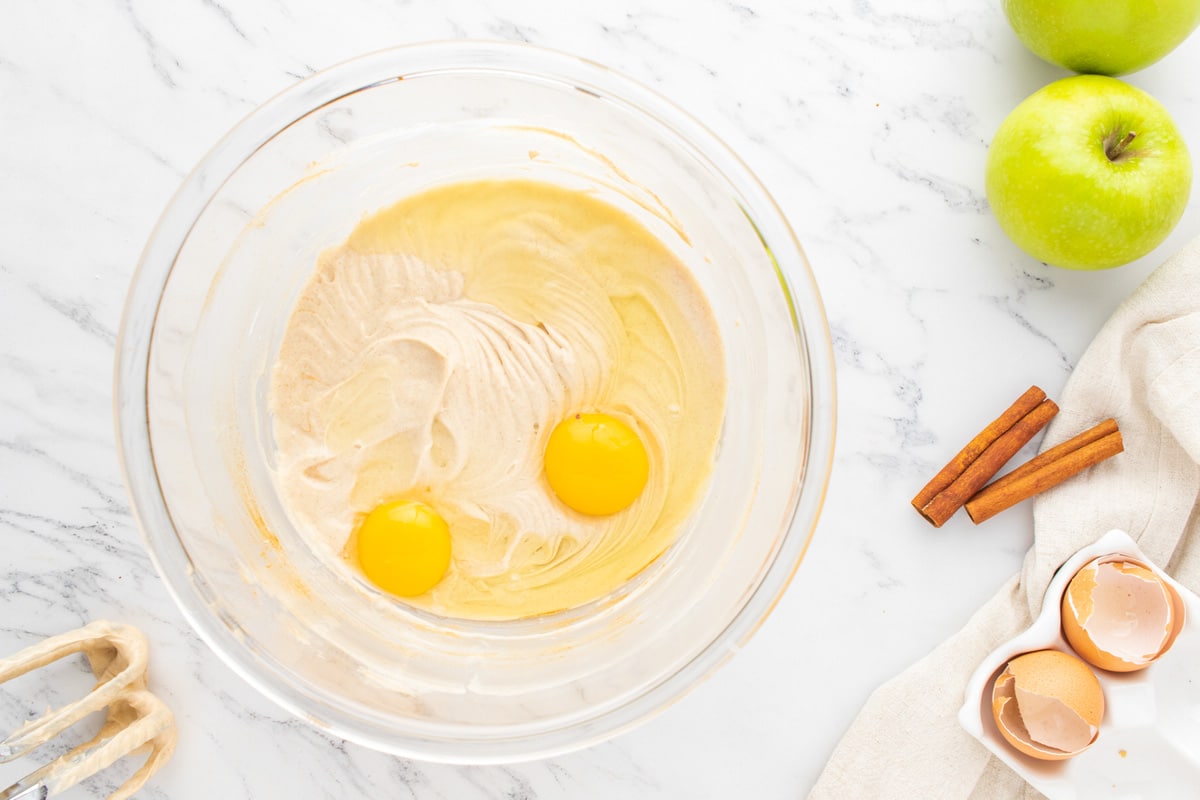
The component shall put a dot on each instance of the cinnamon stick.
(1047, 470)
(1023, 405)
(983, 456)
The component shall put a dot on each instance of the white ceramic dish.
(1149, 741)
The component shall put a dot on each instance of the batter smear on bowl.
(431, 355)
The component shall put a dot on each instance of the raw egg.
(596, 464)
(1048, 704)
(1119, 615)
(403, 547)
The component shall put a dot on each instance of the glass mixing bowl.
(204, 320)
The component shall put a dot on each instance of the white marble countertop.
(870, 126)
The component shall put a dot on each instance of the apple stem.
(1115, 150)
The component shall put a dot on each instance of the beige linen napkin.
(1143, 369)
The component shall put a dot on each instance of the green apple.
(1088, 173)
(1108, 37)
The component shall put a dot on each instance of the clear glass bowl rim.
(168, 553)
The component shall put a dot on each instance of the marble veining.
(868, 123)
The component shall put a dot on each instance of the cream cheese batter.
(430, 356)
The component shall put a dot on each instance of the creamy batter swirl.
(430, 356)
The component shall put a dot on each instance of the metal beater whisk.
(136, 719)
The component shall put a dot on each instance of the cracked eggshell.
(1048, 704)
(1119, 615)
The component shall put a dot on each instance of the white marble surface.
(868, 121)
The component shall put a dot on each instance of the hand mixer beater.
(136, 720)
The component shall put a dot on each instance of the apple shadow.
(1024, 70)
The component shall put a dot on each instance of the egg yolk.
(404, 547)
(596, 464)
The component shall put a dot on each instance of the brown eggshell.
(1048, 704)
(1119, 615)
